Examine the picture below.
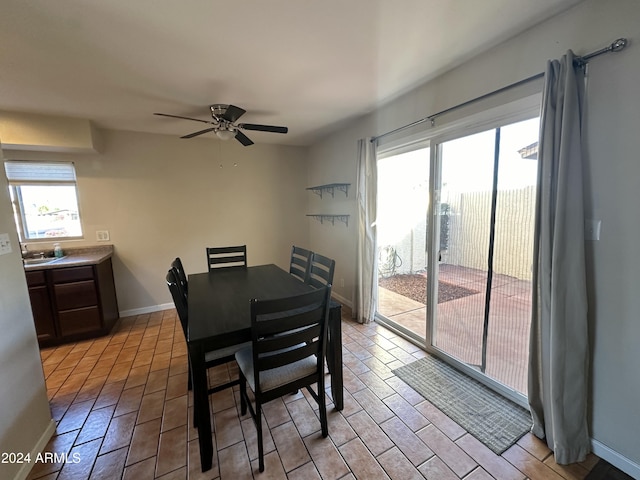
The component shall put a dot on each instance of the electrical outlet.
(102, 235)
(5, 244)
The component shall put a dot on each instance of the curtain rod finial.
(619, 44)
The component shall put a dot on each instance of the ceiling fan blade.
(233, 113)
(243, 139)
(184, 118)
(263, 128)
(195, 134)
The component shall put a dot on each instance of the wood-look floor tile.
(373, 406)
(74, 417)
(436, 469)
(177, 384)
(157, 380)
(81, 460)
(447, 451)
(172, 452)
(398, 466)
(151, 407)
(96, 424)
(109, 465)
(227, 427)
(406, 412)
(370, 433)
(492, 463)
(290, 446)
(408, 442)
(308, 471)
(303, 416)
(250, 434)
(529, 465)
(119, 432)
(574, 471)
(129, 401)
(234, 463)
(326, 457)
(175, 413)
(143, 470)
(144, 443)
(360, 460)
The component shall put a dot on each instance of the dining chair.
(182, 276)
(300, 261)
(227, 257)
(212, 357)
(320, 271)
(288, 344)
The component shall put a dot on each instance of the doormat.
(494, 420)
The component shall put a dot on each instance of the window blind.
(21, 172)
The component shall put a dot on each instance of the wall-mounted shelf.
(330, 188)
(321, 217)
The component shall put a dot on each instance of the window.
(45, 200)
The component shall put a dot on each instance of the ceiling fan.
(225, 126)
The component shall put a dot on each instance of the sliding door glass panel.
(466, 181)
(510, 307)
(403, 202)
(486, 224)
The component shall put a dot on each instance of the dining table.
(220, 315)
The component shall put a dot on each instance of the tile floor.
(123, 412)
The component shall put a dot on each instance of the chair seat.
(270, 379)
(224, 352)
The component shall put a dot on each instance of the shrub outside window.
(45, 200)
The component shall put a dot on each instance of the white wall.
(613, 169)
(160, 197)
(25, 418)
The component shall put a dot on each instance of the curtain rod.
(581, 61)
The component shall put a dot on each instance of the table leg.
(334, 354)
(201, 405)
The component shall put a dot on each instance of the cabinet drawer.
(81, 320)
(72, 274)
(75, 295)
(35, 278)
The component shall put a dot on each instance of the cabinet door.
(42, 314)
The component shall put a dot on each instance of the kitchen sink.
(40, 261)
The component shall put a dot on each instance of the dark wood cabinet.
(72, 303)
(41, 306)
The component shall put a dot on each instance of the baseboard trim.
(141, 311)
(166, 306)
(625, 464)
(341, 299)
(26, 468)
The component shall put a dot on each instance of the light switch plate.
(5, 244)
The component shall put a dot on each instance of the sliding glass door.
(470, 251)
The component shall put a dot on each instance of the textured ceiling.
(306, 64)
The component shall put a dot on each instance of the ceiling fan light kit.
(224, 126)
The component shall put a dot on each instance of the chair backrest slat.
(227, 257)
(300, 261)
(289, 329)
(321, 271)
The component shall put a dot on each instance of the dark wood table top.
(219, 301)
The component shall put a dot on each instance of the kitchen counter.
(76, 256)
